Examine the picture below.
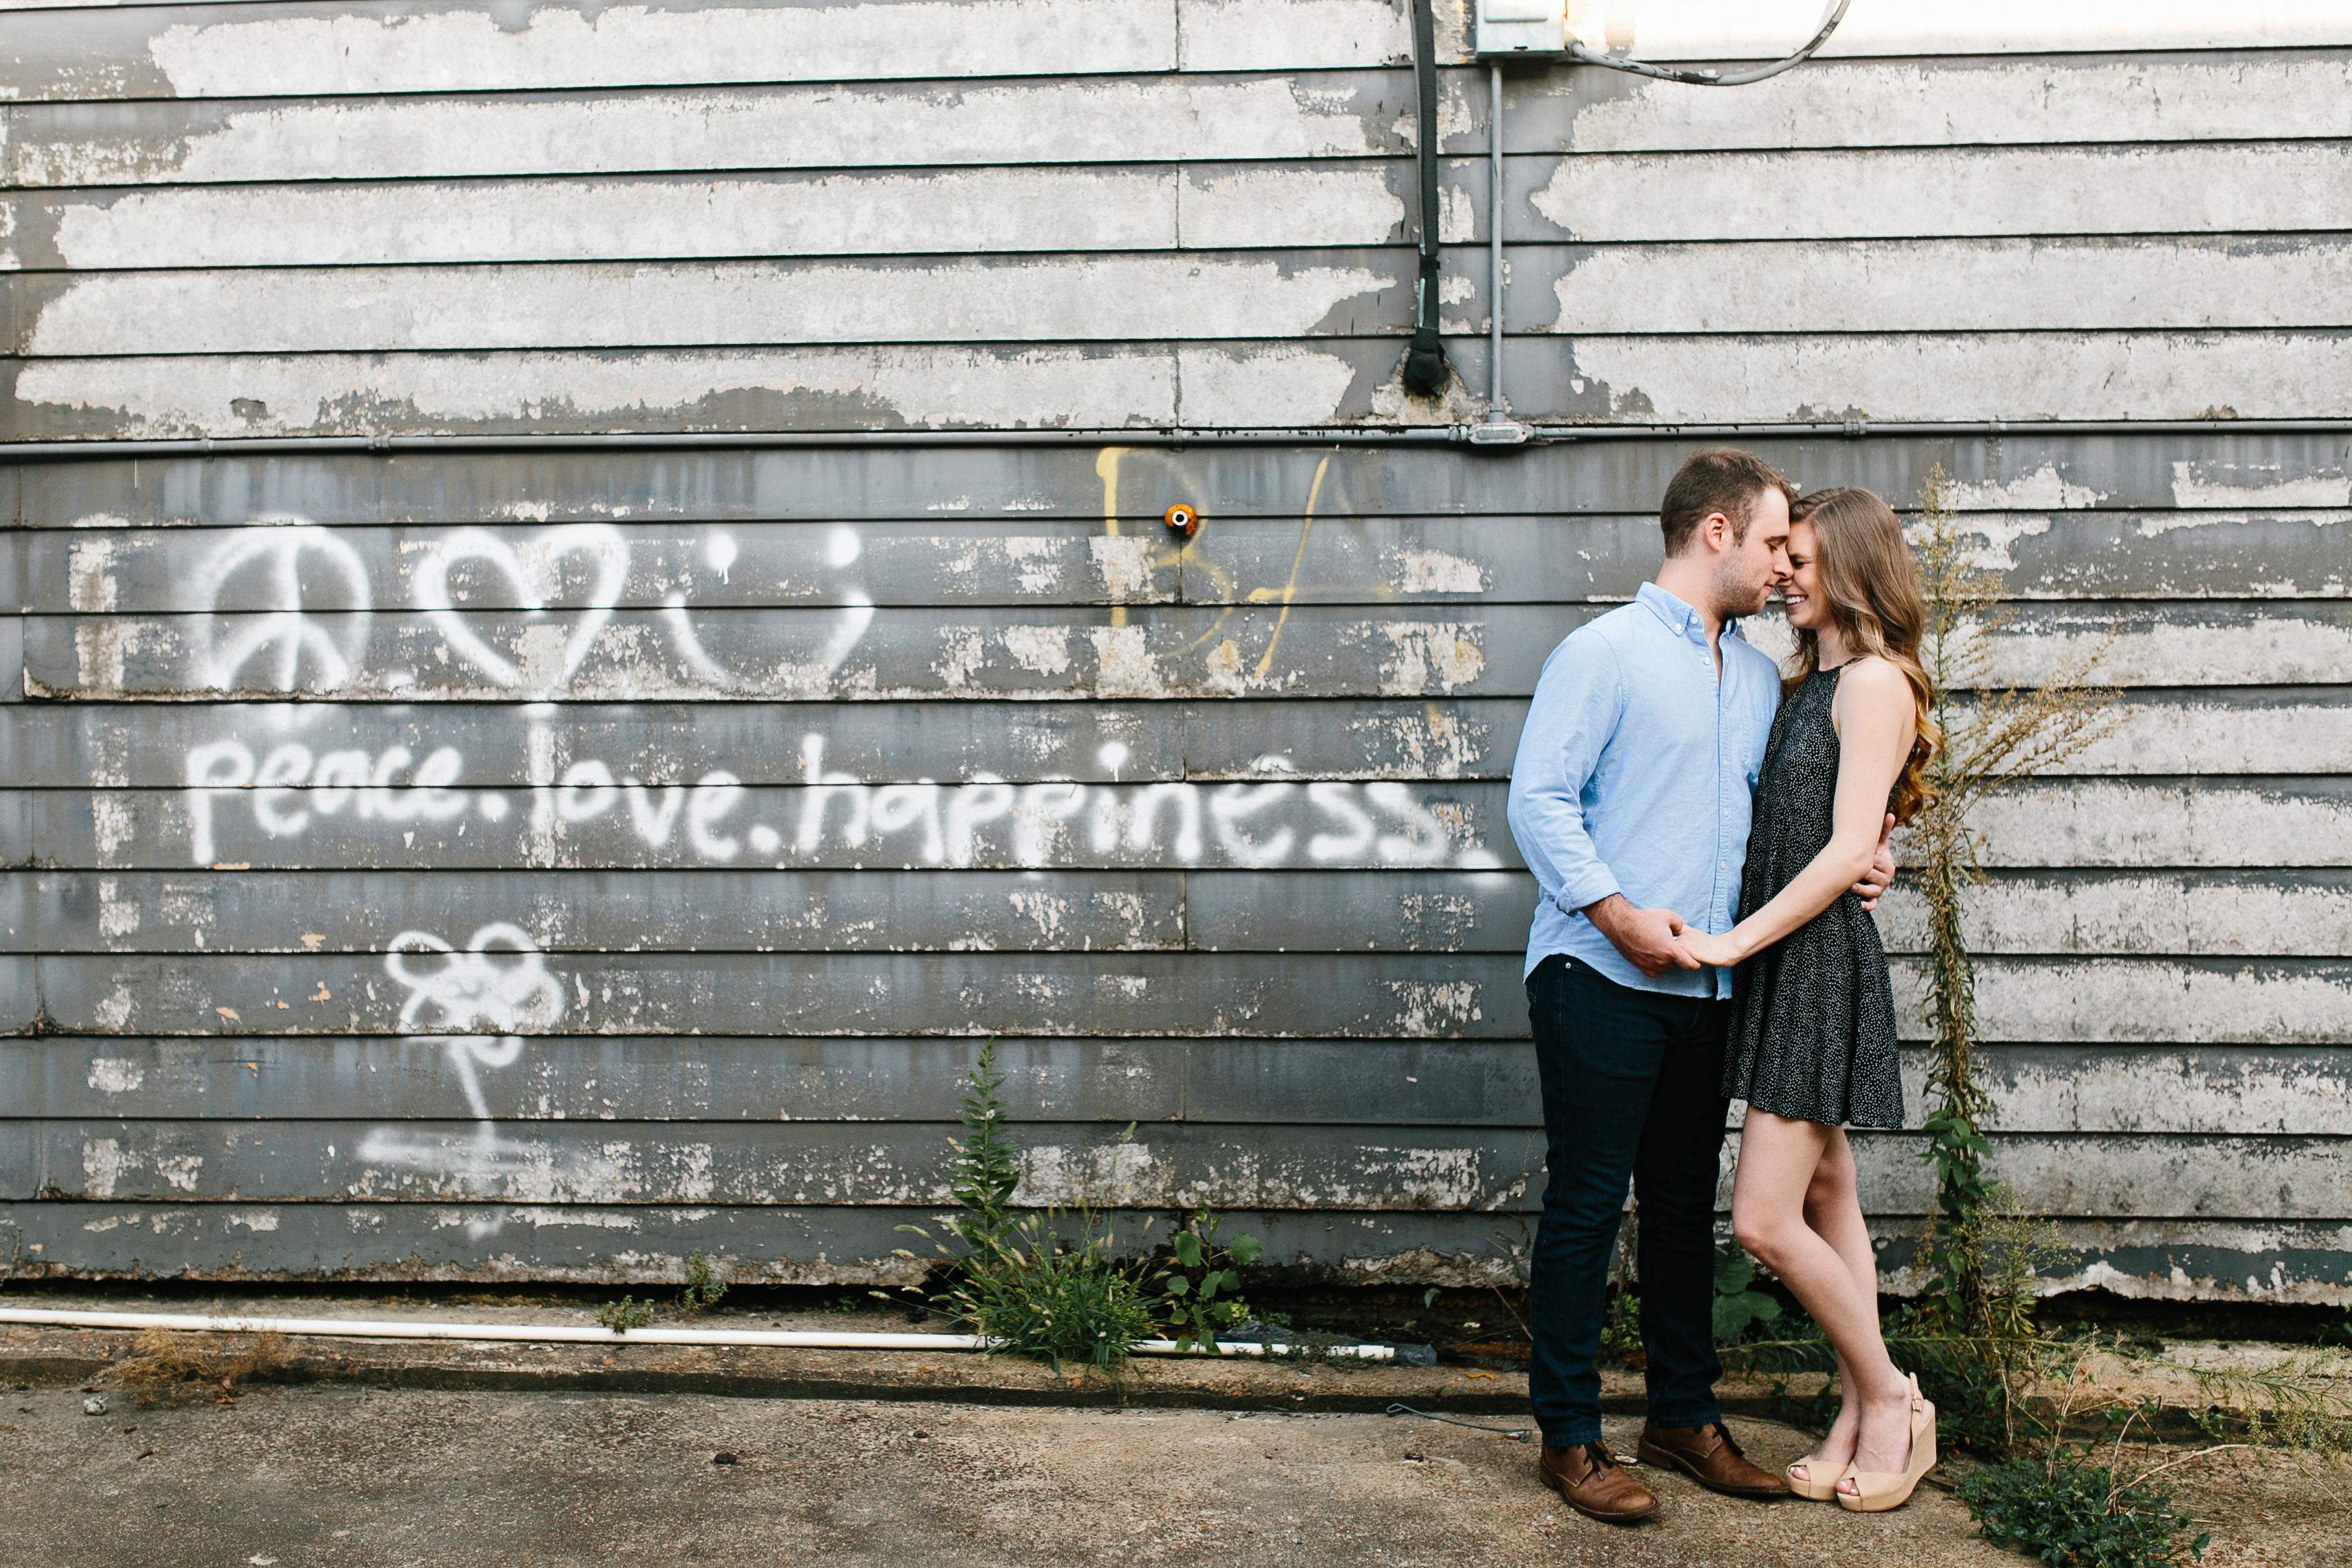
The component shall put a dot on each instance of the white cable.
(554, 1333)
(1582, 56)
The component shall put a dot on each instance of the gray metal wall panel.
(650, 736)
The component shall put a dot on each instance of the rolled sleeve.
(1578, 701)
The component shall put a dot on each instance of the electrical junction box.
(1533, 27)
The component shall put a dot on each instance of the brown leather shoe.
(1709, 1455)
(1595, 1485)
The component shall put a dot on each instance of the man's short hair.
(1725, 480)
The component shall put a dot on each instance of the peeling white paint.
(1946, 285)
(955, 211)
(116, 1075)
(1974, 102)
(1766, 29)
(1908, 194)
(1435, 571)
(1445, 654)
(653, 304)
(1982, 376)
(937, 387)
(103, 1163)
(1155, 118)
(1248, 388)
(2192, 487)
(620, 46)
(1330, 205)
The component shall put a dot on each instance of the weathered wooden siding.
(374, 823)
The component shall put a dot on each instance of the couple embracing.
(1708, 838)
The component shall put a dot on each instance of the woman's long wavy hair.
(1866, 569)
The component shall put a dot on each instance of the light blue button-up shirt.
(1637, 774)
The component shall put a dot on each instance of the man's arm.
(1577, 705)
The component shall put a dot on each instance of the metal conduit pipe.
(1300, 436)
(554, 1333)
(1494, 413)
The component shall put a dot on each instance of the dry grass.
(174, 1368)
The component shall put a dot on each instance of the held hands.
(1882, 869)
(1695, 949)
(1713, 951)
(1647, 937)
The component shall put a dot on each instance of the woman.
(1813, 1035)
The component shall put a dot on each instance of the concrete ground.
(333, 1475)
(343, 1452)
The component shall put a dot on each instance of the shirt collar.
(1679, 618)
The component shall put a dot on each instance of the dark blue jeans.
(1633, 1088)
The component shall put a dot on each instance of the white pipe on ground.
(556, 1333)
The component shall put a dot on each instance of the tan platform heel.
(1811, 1486)
(1876, 1492)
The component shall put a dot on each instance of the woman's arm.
(1876, 721)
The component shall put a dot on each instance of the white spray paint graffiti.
(481, 995)
(987, 820)
(476, 1004)
(284, 635)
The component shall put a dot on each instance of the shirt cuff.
(1586, 890)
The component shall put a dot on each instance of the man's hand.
(1646, 937)
(1882, 869)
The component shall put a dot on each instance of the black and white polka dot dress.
(1812, 1018)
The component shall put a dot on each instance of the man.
(1630, 801)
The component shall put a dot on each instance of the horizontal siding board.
(210, 49)
(1102, 118)
(1949, 102)
(2306, 914)
(2302, 1090)
(2208, 478)
(894, 1164)
(606, 1245)
(842, 826)
(2189, 823)
(229, 50)
(504, 746)
(1046, 653)
(1907, 285)
(2201, 824)
(1335, 555)
(1240, 383)
(769, 1080)
(606, 911)
(1410, 996)
(2214, 914)
(659, 304)
(871, 911)
(800, 1245)
(1255, 995)
(2218, 187)
(907, 1163)
(2280, 1002)
(2187, 1090)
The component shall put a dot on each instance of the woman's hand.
(1715, 951)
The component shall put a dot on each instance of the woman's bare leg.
(1780, 1161)
(1833, 1213)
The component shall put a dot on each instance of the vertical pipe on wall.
(1424, 362)
(1494, 413)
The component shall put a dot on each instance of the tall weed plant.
(1053, 1285)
